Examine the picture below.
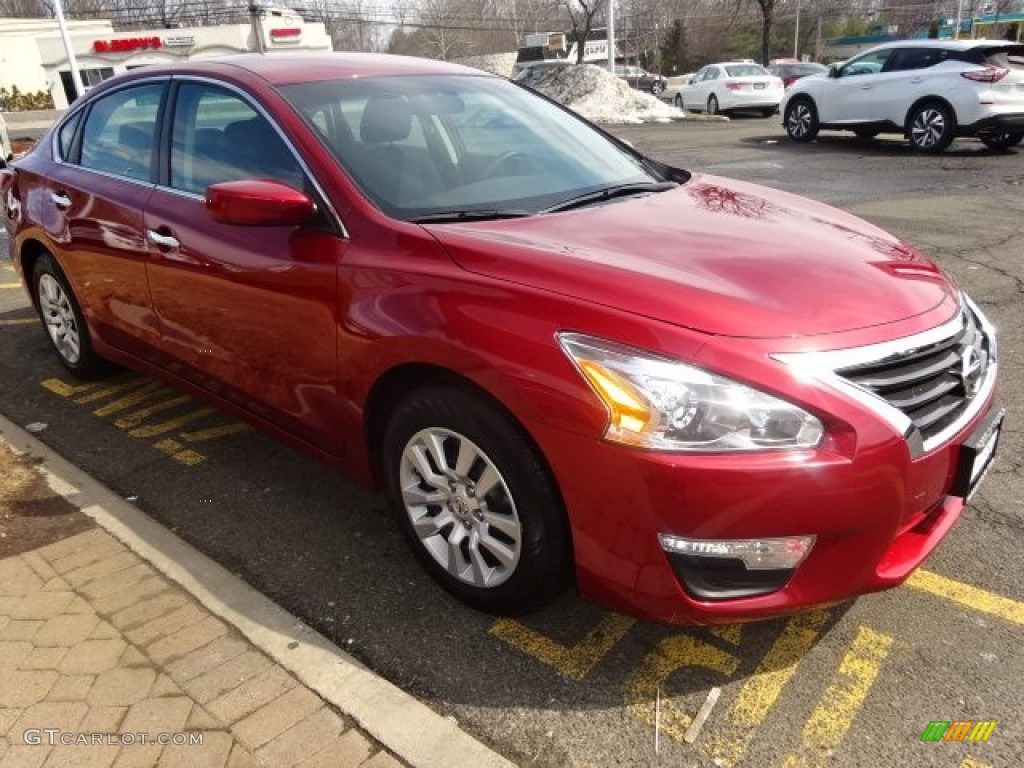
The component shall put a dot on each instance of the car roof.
(953, 45)
(295, 67)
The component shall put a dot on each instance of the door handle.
(917, 80)
(61, 200)
(162, 241)
(866, 87)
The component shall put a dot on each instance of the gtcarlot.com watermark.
(54, 736)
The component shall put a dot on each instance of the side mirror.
(259, 203)
(833, 70)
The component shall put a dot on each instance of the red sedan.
(705, 400)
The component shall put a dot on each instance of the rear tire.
(63, 320)
(931, 127)
(713, 105)
(475, 501)
(801, 120)
(1001, 139)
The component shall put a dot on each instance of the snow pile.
(496, 63)
(600, 96)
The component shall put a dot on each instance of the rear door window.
(119, 134)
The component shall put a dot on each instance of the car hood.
(715, 255)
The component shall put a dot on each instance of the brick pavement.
(93, 640)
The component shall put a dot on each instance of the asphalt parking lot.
(575, 685)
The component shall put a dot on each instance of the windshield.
(433, 144)
(745, 70)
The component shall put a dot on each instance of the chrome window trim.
(247, 98)
(169, 80)
(823, 367)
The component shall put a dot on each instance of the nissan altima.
(698, 399)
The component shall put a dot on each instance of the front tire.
(678, 101)
(931, 127)
(802, 120)
(1001, 139)
(476, 503)
(63, 320)
(657, 88)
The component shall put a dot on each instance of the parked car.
(448, 286)
(931, 91)
(731, 85)
(5, 143)
(641, 79)
(674, 85)
(791, 71)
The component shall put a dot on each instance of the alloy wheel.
(460, 507)
(928, 128)
(59, 317)
(799, 121)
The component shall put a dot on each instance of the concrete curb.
(401, 723)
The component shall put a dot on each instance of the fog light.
(756, 554)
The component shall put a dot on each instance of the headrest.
(386, 118)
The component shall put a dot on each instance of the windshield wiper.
(619, 190)
(470, 214)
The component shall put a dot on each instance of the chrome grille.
(933, 385)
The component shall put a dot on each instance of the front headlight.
(667, 405)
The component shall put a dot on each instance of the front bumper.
(876, 517)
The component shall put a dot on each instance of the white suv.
(931, 91)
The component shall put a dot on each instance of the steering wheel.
(515, 160)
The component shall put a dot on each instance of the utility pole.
(76, 76)
(959, 16)
(256, 21)
(796, 34)
(611, 36)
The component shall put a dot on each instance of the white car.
(731, 85)
(931, 91)
(674, 85)
(5, 143)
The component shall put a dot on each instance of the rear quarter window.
(66, 137)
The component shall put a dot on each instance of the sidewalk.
(124, 633)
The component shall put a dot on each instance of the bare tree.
(444, 29)
(349, 23)
(767, 8)
(581, 18)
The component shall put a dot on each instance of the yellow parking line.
(762, 689)
(26, 321)
(113, 386)
(136, 418)
(10, 285)
(145, 392)
(176, 451)
(573, 661)
(154, 430)
(213, 433)
(842, 699)
(968, 596)
(970, 762)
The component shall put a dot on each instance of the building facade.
(34, 57)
